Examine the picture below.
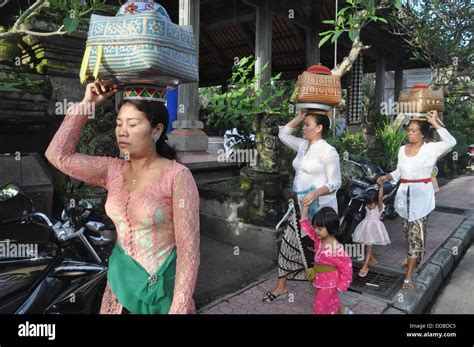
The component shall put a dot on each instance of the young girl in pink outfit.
(333, 266)
(371, 230)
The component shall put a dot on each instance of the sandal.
(270, 297)
(408, 285)
(363, 274)
(348, 311)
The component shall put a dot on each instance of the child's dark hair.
(327, 218)
(371, 197)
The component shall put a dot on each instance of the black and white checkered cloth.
(354, 108)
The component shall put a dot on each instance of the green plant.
(459, 120)
(349, 171)
(72, 12)
(440, 33)
(368, 97)
(17, 81)
(237, 107)
(350, 146)
(351, 19)
(378, 120)
(67, 14)
(390, 140)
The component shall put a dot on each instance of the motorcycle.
(354, 212)
(49, 266)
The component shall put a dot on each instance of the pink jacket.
(340, 278)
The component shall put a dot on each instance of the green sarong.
(135, 289)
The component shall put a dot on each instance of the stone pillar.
(187, 134)
(263, 42)
(312, 36)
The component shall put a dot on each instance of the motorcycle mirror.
(9, 190)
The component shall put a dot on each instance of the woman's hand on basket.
(434, 119)
(97, 93)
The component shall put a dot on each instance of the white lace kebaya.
(418, 167)
(318, 167)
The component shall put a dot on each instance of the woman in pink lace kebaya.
(152, 200)
(333, 267)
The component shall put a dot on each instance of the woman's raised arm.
(61, 151)
(285, 132)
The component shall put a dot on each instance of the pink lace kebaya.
(150, 223)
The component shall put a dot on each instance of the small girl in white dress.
(371, 230)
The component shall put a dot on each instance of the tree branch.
(348, 61)
(356, 48)
(37, 33)
(26, 14)
(17, 27)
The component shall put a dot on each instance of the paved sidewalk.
(439, 228)
(299, 300)
(446, 232)
(457, 295)
(457, 193)
(223, 271)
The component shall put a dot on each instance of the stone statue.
(269, 148)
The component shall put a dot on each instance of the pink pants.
(326, 301)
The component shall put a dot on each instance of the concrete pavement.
(299, 300)
(450, 231)
(456, 296)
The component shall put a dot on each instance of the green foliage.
(349, 171)
(237, 107)
(353, 17)
(459, 120)
(368, 96)
(440, 33)
(350, 146)
(390, 140)
(71, 13)
(17, 81)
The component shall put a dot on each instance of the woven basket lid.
(143, 6)
(419, 86)
(319, 70)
